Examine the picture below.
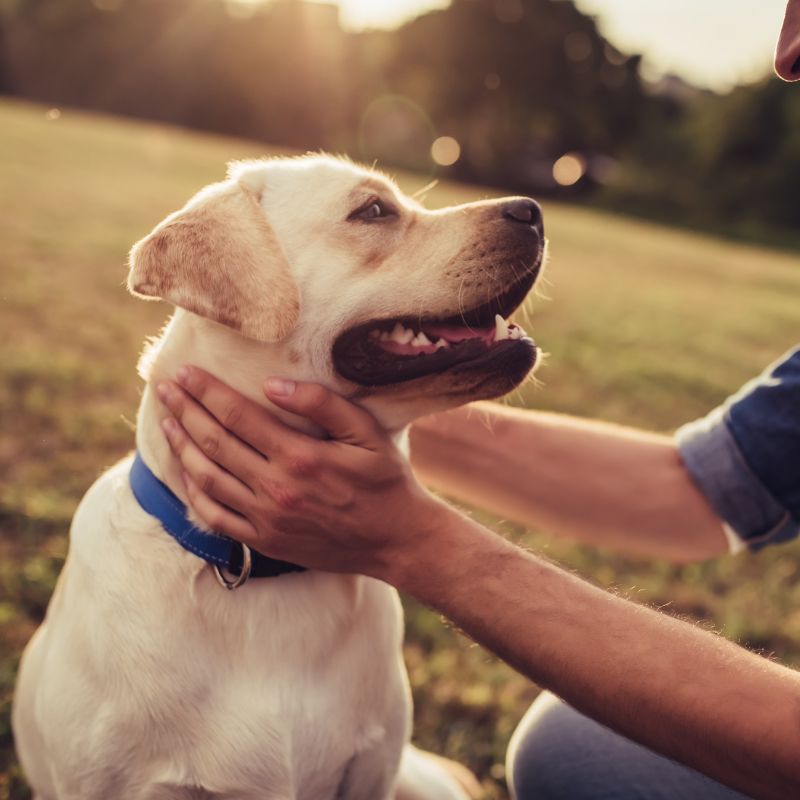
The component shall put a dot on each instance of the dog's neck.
(242, 363)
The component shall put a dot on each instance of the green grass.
(647, 325)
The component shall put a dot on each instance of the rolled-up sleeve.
(745, 457)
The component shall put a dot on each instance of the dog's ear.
(219, 257)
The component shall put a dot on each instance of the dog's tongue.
(457, 333)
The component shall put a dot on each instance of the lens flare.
(569, 169)
(445, 151)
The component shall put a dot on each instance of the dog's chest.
(276, 684)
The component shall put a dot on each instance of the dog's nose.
(524, 210)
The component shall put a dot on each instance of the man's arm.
(682, 691)
(594, 482)
(679, 690)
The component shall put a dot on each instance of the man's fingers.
(344, 421)
(249, 421)
(216, 516)
(205, 474)
(223, 520)
(215, 441)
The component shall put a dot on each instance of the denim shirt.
(745, 457)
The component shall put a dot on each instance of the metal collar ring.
(241, 578)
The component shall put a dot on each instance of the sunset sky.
(714, 43)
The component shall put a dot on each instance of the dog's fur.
(147, 680)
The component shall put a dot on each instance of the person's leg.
(558, 754)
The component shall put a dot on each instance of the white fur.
(146, 679)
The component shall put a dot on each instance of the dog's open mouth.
(387, 351)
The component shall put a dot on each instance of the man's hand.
(346, 504)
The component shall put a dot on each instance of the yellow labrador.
(147, 679)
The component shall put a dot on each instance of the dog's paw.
(425, 776)
(459, 773)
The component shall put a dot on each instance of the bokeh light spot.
(53, 114)
(492, 81)
(569, 169)
(577, 46)
(446, 151)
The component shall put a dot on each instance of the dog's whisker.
(421, 194)
(462, 312)
(539, 289)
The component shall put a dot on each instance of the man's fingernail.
(162, 390)
(280, 387)
(184, 376)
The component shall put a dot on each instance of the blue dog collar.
(224, 554)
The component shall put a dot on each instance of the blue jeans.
(558, 754)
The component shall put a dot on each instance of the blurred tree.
(729, 163)
(271, 72)
(518, 84)
(749, 150)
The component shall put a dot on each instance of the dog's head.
(359, 286)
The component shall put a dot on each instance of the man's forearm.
(598, 483)
(681, 691)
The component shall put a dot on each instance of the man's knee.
(558, 753)
(540, 761)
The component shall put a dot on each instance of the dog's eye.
(373, 210)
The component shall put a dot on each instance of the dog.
(147, 680)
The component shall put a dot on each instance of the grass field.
(645, 325)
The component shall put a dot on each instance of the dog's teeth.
(442, 343)
(501, 329)
(515, 333)
(385, 336)
(421, 340)
(401, 334)
(376, 334)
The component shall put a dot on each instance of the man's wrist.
(421, 546)
(445, 548)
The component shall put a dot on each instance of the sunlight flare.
(358, 14)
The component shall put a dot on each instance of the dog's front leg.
(373, 770)
(371, 775)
